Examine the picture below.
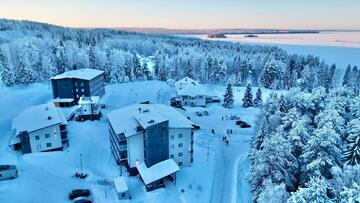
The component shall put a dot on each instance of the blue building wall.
(156, 143)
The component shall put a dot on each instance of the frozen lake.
(341, 48)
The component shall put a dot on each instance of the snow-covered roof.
(148, 118)
(189, 87)
(84, 74)
(120, 185)
(89, 100)
(125, 120)
(63, 100)
(38, 117)
(157, 171)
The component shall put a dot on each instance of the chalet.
(89, 108)
(189, 93)
(78, 83)
(40, 128)
(151, 139)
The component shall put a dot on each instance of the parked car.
(82, 200)
(198, 114)
(234, 117)
(243, 124)
(206, 113)
(8, 172)
(79, 193)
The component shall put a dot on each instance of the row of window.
(38, 147)
(179, 145)
(47, 136)
(179, 136)
(180, 155)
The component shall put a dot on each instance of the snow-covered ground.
(217, 174)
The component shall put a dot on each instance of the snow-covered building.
(150, 134)
(40, 128)
(121, 188)
(78, 83)
(189, 93)
(89, 108)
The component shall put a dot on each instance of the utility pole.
(81, 165)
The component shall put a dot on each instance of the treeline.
(307, 148)
(33, 52)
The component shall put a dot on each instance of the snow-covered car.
(233, 117)
(206, 113)
(8, 172)
(82, 200)
(199, 114)
(79, 193)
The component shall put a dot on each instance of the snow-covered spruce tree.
(7, 75)
(282, 104)
(330, 77)
(352, 147)
(314, 192)
(258, 98)
(322, 152)
(146, 71)
(248, 98)
(273, 193)
(162, 73)
(354, 73)
(228, 96)
(188, 70)
(347, 76)
(350, 195)
(137, 69)
(92, 59)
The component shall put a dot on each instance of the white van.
(8, 172)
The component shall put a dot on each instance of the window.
(172, 146)
(47, 135)
(82, 90)
(180, 144)
(82, 84)
(76, 90)
(180, 154)
(180, 163)
(171, 156)
(48, 144)
(180, 135)
(37, 137)
(172, 137)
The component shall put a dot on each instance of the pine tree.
(282, 104)
(248, 98)
(315, 192)
(350, 195)
(228, 96)
(146, 71)
(92, 59)
(7, 75)
(329, 77)
(258, 98)
(347, 76)
(188, 70)
(352, 148)
(137, 69)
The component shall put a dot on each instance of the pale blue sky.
(287, 14)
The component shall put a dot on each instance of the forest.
(32, 52)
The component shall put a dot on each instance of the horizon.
(189, 15)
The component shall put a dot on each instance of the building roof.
(38, 117)
(63, 100)
(157, 171)
(84, 74)
(126, 120)
(120, 185)
(189, 87)
(146, 119)
(89, 100)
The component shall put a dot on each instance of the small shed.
(121, 188)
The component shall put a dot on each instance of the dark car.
(79, 193)
(243, 124)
